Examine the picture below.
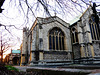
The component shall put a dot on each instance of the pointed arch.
(56, 39)
(94, 28)
(74, 35)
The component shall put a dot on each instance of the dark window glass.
(76, 36)
(62, 43)
(56, 42)
(50, 44)
(97, 32)
(94, 28)
(91, 31)
(53, 43)
(73, 38)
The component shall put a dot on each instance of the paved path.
(22, 68)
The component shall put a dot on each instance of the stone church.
(52, 41)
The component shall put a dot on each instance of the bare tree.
(1, 3)
(51, 7)
(5, 45)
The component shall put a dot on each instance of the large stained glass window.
(94, 28)
(56, 39)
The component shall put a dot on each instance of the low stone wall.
(55, 71)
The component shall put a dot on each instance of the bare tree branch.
(45, 7)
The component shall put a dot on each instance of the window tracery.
(56, 39)
(94, 28)
(74, 35)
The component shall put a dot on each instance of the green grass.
(11, 68)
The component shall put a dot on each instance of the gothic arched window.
(74, 35)
(94, 28)
(56, 39)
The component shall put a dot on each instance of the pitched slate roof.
(77, 18)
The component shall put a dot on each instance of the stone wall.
(76, 51)
(96, 46)
(56, 55)
(33, 39)
(44, 35)
(25, 34)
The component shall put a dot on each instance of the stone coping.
(62, 71)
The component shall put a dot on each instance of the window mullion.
(92, 31)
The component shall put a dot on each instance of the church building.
(52, 41)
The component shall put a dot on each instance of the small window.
(56, 39)
(74, 35)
